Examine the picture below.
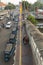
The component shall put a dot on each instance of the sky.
(17, 1)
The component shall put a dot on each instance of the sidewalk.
(27, 58)
(26, 53)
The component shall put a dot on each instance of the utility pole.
(24, 10)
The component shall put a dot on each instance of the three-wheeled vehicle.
(9, 51)
(12, 38)
(14, 31)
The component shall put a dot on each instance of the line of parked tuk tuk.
(10, 45)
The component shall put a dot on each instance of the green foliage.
(31, 7)
(26, 5)
(10, 6)
(37, 4)
(32, 19)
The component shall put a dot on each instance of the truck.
(9, 51)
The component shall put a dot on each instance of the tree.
(32, 19)
(37, 4)
(26, 5)
(10, 6)
(31, 7)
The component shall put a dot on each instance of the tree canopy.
(32, 19)
(26, 5)
(31, 7)
(37, 4)
(10, 6)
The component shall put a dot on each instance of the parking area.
(4, 37)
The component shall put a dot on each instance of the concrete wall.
(36, 54)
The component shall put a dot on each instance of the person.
(25, 39)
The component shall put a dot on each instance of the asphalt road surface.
(4, 36)
(26, 52)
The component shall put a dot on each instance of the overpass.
(39, 25)
(36, 42)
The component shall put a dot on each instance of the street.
(26, 52)
(4, 37)
(21, 32)
(23, 53)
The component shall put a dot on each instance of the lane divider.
(20, 60)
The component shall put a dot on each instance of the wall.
(35, 50)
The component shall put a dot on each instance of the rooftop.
(2, 4)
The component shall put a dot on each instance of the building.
(2, 6)
(39, 11)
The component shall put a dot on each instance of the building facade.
(2, 6)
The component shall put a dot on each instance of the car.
(1, 18)
(8, 25)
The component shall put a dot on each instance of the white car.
(1, 18)
(8, 25)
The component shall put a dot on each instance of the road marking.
(20, 46)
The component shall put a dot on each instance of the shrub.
(32, 19)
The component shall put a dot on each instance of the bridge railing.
(31, 31)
